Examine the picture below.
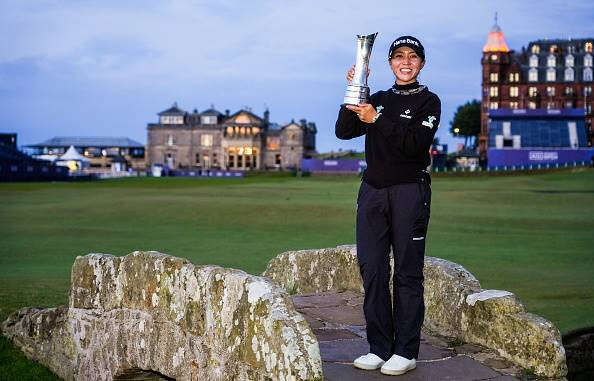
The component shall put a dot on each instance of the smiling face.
(406, 65)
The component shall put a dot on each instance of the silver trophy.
(358, 91)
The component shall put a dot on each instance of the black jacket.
(397, 144)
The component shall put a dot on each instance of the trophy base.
(356, 94)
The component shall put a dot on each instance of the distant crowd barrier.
(163, 172)
(333, 165)
(511, 168)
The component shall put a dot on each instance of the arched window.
(568, 74)
(569, 60)
(535, 49)
(588, 60)
(533, 75)
(588, 47)
(533, 60)
(551, 60)
(551, 74)
(588, 74)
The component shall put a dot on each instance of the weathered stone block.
(153, 312)
(315, 271)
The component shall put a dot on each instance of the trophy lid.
(369, 37)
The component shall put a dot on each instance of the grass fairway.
(532, 235)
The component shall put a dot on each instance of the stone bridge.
(152, 315)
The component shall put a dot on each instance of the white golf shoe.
(368, 362)
(398, 365)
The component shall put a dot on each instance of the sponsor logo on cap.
(405, 41)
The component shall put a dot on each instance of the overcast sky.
(105, 68)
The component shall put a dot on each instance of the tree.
(467, 121)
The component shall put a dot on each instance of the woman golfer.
(393, 206)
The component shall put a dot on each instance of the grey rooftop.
(89, 141)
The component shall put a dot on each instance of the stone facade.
(150, 314)
(241, 141)
(456, 306)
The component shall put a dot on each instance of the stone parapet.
(150, 313)
(456, 305)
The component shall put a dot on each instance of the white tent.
(72, 155)
(73, 160)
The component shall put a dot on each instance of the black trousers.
(394, 217)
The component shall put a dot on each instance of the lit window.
(170, 140)
(568, 74)
(550, 105)
(535, 49)
(588, 60)
(551, 60)
(568, 104)
(514, 77)
(532, 105)
(569, 61)
(494, 91)
(533, 60)
(533, 75)
(532, 91)
(551, 74)
(513, 105)
(229, 131)
(588, 47)
(513, 91)
(568, 90)
(553, 49)
(588, 74)
(589, 108)
(208, 119)
(494, 105)
(587, 90)
(206, 140)
(551, 91)
(494, 77)
(272, 143)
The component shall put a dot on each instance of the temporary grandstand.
(17, 166)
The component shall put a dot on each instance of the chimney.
(227, 113)
(267, 115)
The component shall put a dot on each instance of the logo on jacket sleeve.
(429, 121)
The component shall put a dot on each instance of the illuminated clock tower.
(496, 58)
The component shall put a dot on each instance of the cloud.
(292, 56)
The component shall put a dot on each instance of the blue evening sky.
(105, 68)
